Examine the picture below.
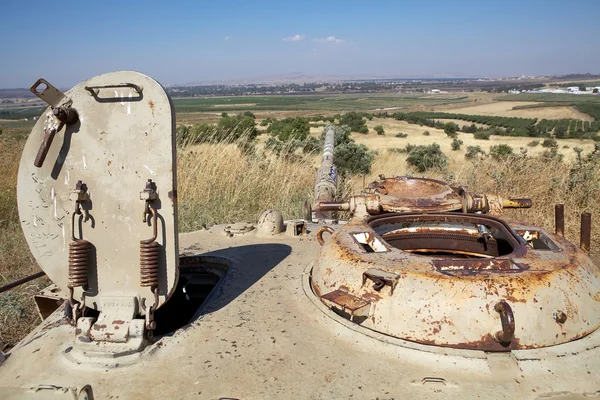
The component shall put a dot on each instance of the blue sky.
(179, 42)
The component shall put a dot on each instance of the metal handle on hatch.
(94, 90)
(508, 322)
(320, 232)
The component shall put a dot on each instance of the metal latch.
(381, 278)
(62, 114)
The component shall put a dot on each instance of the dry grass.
(505, 109)
(17, 310)
(218, 183)
(415, 136)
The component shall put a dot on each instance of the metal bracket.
(348, 303)
(51, 95)
(380, 279)
(116, 332)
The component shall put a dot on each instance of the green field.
(552, 98)
(348, 102)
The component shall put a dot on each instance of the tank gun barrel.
(326, 179)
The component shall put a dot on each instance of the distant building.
(434, 91)
(573, 88)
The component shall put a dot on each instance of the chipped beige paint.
(122, 139)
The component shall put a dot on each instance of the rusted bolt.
(508, 322)
(560, 317)
(66, 115)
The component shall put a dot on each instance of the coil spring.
(78, 263)
(149, 258)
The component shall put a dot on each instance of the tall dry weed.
(223, 181)
(18, 314)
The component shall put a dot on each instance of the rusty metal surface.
(346, 302)
(400, 194)
(449, 299)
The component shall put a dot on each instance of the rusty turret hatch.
(459, 279)
(401, 194)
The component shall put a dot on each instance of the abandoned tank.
(425, 291)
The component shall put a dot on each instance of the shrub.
(355, 121)
(456, 143)
(451, 129)
(482, 135)
(552, 154)
(352, 158)
(429, 157)
(401, 135)
(549, 143)
(501, 151)
(426, 133)
(473, 151)
(533, 143)
(290, 128)
(379, 129)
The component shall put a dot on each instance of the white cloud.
(294, 38)
(329, 39)
(226, 38)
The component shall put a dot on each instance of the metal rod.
(333, 206)
(586, 232)
(559, 219)
(21, 281)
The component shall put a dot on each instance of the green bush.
(290, 128)
(379, 129)
(533, 143)
(500, 151)
(401, 135)
(549, 143)
(352, 158)
(425, 158)
(456, 143)
(482, 135)
(355, 121)
(474, 151)
(451, 129)
(426, 133)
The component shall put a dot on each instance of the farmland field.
(523, 109)
(342, 102)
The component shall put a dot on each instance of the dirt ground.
(505, 109)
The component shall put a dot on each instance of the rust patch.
(151, 104)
